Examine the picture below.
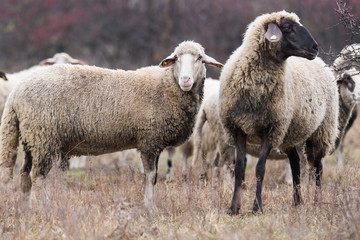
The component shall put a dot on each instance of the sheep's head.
(282, 35)
(61, 58)
(3, 76)
(348, 57)
(188, 63)
(349, 86)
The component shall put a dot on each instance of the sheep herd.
(275, 99)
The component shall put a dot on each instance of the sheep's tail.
(200, 121)
(9, 141)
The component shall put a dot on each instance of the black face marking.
(297, 41)
(350, 83)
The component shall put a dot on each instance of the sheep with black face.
(273, 95)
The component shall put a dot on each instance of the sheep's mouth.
(310, 55)
(186, 86)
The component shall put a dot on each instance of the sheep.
(271, 94)
(86, 110)
(348, 85)
(349, 89)
(348, 58)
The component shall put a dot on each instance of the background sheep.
(349, 58)
(82, 110)
(14, 78)
(270, 99)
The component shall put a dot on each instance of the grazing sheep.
(83, 110)
(349, 57)
(272, 99)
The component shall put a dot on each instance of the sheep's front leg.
(150, 163)
(239, 172)
(295, 169)
(260, 173)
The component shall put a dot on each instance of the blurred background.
(132, 33)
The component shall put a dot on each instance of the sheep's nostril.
(185, 79)
(316, 47)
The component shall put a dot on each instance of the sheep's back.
(87, 109)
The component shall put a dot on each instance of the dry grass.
(106, 203)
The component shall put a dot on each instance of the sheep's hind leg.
(150, 162)
(260, 173)
(318, 176)
(42, 164)
(295, 169)
(25, 181)
(239, 172)
(315, 159)
(64, 162)
(170, 171)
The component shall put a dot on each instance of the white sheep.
(272, 99)
(349, 57)
(87, 110)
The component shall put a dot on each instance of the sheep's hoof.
(153, 211)
(169, 178)
(204, 177)
(64, 166)
(233, 211)
(184, 177)
(5, 175)
(257, 210)
(25, 182)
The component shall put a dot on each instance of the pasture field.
(103, 202)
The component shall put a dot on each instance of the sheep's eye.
(286, 27)
(199, 58)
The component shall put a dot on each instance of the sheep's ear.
(273, 33)
(170, 60)
(211, 61)
(3, 76)
(347, 80)
(77, 62)
(46, 62)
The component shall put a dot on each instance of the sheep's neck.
(270, 70)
